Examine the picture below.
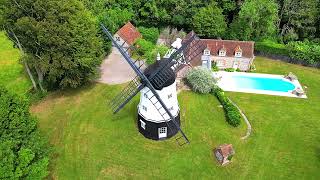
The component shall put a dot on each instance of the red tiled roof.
(231, 46)
(214, 45)
(129, 33)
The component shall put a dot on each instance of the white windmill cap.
(177, 44)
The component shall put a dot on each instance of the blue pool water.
(261, 83)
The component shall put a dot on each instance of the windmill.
(158, 110)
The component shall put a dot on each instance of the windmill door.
(162, 132)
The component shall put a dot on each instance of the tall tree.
(297, 19)
(210, 22)
(228, 9)
(257, 19)
(23, 152)
(59, 37)
(318, 23)
(115, 18)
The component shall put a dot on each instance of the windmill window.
(169, 96)
(145, 95)
(143, 124)
(118, 38)
(171, 109)
(144, 108)
(163, 130)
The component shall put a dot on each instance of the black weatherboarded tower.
(158, 110)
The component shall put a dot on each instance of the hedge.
(232, 113)
(297, 52)
(271, 47)
(306, 51)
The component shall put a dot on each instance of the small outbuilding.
(224, 153)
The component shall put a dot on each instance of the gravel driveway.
(115, 69)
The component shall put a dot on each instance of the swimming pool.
(257, 83)
(262, 83)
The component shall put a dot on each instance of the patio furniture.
(291, 76)
(298, 92)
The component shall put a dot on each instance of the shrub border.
(232, 113)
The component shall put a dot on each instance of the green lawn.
(12, 74)
(91, 143)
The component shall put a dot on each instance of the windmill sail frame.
(145, 81)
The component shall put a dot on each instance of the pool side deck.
(225, 83)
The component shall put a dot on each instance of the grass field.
(91, 143)
(12, 74)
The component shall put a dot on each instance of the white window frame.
(117, 38)
(143, 124)
(220, 63)
(205, 63)
(170, 96)
(206, 52)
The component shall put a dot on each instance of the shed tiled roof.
(226, 150)
(129, 33)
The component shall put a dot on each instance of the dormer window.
(222, 51)
(206, 52)
(238, 52)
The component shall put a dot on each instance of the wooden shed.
(224, 153)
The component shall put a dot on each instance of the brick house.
(226, 54)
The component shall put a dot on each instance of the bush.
(201, 80)
(229, 69)
(214, 66)
(232, 113)
(149, 34)
(152, 55)
(24, 153)
(144, 46)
